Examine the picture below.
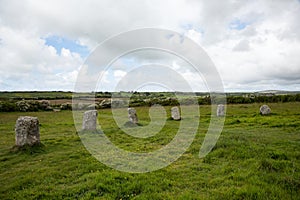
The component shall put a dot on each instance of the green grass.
(256, 157)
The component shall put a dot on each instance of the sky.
(254, 44)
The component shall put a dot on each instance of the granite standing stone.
(175, 114)
(132, 115)
(89, 122)
(265, 110)
(27, 131)
(221, 110)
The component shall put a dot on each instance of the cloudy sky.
(254, 44)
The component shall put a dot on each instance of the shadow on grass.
(90, 132)
(28, 149)
(131, 124)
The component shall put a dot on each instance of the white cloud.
(243, 45)
(118, 74)
(24, 56)
(255, 44)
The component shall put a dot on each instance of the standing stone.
(221, 110)
(132, 115)
(265, 110)
(89, 122)
(175, 114)
(27, 131)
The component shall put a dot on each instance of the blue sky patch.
(237, 24)
(191, 26)
(60, 42)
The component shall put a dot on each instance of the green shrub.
(23, 106)
(66, 106)
(7, 106)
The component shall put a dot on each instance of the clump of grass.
(235, 121)
(278, 155)
(271, 165)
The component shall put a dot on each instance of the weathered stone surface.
(27, 131)
(221, 110)
(265, 110)
(89, 121)
(175, 114)
(132, 115)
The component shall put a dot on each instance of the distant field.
(256, 157)
(35, 95)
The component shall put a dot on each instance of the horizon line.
(240, 91)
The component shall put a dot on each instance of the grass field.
(35, 95)
(256, 157)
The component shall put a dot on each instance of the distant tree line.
(263, 99)
(144, 99)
